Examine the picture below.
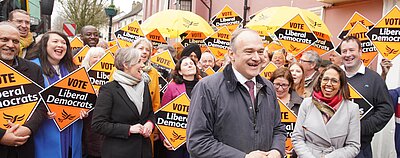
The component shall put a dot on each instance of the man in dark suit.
(16, 142)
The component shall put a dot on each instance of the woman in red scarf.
(328, 124)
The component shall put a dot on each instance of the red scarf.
(332, 102)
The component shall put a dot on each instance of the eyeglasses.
(305, 61)
(334, 81)
(284, 86)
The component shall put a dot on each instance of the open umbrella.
(268, 20)
(271, 19)
(172, 23)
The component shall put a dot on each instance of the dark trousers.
(365, 152)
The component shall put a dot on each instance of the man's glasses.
(334, 81)
(284, 86)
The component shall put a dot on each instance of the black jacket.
(33, 72)
(113, 115)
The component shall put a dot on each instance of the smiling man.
(16, 142)
(89, 36)
(21, 19)
(372, 87)
(235, 113)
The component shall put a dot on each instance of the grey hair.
(206, 52)
(126, 56)
(314, 57)
(235, 34)
(142, 40)
(92, 52)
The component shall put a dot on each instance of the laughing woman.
(328, 124)
(53, 54)
(123, 111)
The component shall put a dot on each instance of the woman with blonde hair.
(92, 56)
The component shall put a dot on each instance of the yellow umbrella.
(270, 19)
(172, 23)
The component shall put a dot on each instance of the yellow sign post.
(227, 17)
(18, 96)
(101, 72)
(78, 58)
(219, 42)
(172, 120)
(68, 96)
(288, 118)
(357, 17)
(128, 34)
(268, 70)
(295, 35)
(385, 34)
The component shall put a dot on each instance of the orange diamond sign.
(363, 103)
(101, 72)
(289, 119)
(219, 42)
(18, 96)
(268, 70)
(369, 51)
(128, 34)
(386, 34)
(295, 35)
(68, 96)
(172, 120)
(78, 58)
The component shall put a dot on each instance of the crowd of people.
(233, 113)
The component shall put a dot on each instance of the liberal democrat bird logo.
(293, 48)
(188, 23)
(66, 116)
(390, 51)
(314, 23)
(12, 119)
(176, 136)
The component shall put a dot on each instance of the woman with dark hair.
(328, 123)
(297, 72)
(284, 87)
(53, 54)
(185, 76)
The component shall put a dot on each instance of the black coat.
(113, 115)
(33, 72)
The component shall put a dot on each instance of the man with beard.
(89, 36)
(16, 142)
(21, 19)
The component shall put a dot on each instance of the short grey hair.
(142, 40)
(126, 56)
(236, 34)
(314, 57)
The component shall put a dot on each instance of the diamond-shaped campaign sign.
(219, 42)
(128, 34)
(288, 118)
(357, 17)
(268, 70)
(68, 96)
(100, 73)
(172, 120)
(295, 35)
(156, 39)
(195, 37)
(227, 17)
(78, 58)
(18, 96)
(76, 43)
(363, 103)
(164, 59)
(385, 35)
